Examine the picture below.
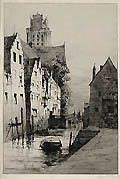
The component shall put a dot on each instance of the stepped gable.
(8, 42)
(48, 54)
(29, 56)
(110, 63)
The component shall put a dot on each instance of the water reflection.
(30, 158)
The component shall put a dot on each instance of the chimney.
(94, 72)
(101, 67)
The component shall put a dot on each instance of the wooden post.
(12, 131)
(17, 128)
(32, 128)
(28, 112)
(22, 123)
(70, 142)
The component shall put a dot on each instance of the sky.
(89, 31)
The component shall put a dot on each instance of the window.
(21, 97)
(37, 43)
(32, 84)
(20, 59)
(20, 79)
(50, 89)
(31, 96)
(99, 93)
(6, 96)
(34, 112)
(27, 62)
(27, 37)
(37, 86)
(47, 86)
(96, 109)
(17, 45)
(35, 73)
(15, 98)
(42, 38)
(7, 76)
(110, 109)
(37, 97)
(41, 43)
(33, 37)
(38, 38)
(43, 82)
(14, 56)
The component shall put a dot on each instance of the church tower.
(39, 34)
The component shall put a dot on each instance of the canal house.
(100, 88)
(14, 93)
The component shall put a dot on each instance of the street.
(99, 156)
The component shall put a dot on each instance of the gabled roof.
(107, 61)
(48, 54)
(28, 52)
(8, 42)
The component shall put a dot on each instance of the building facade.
(14, 94)
(41, 91)
(100, 84)
(110, 106)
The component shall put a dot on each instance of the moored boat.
(51, 144)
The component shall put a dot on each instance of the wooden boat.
(51, 144)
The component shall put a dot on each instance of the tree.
(62, 78)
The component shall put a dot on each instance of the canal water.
(33, 159)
